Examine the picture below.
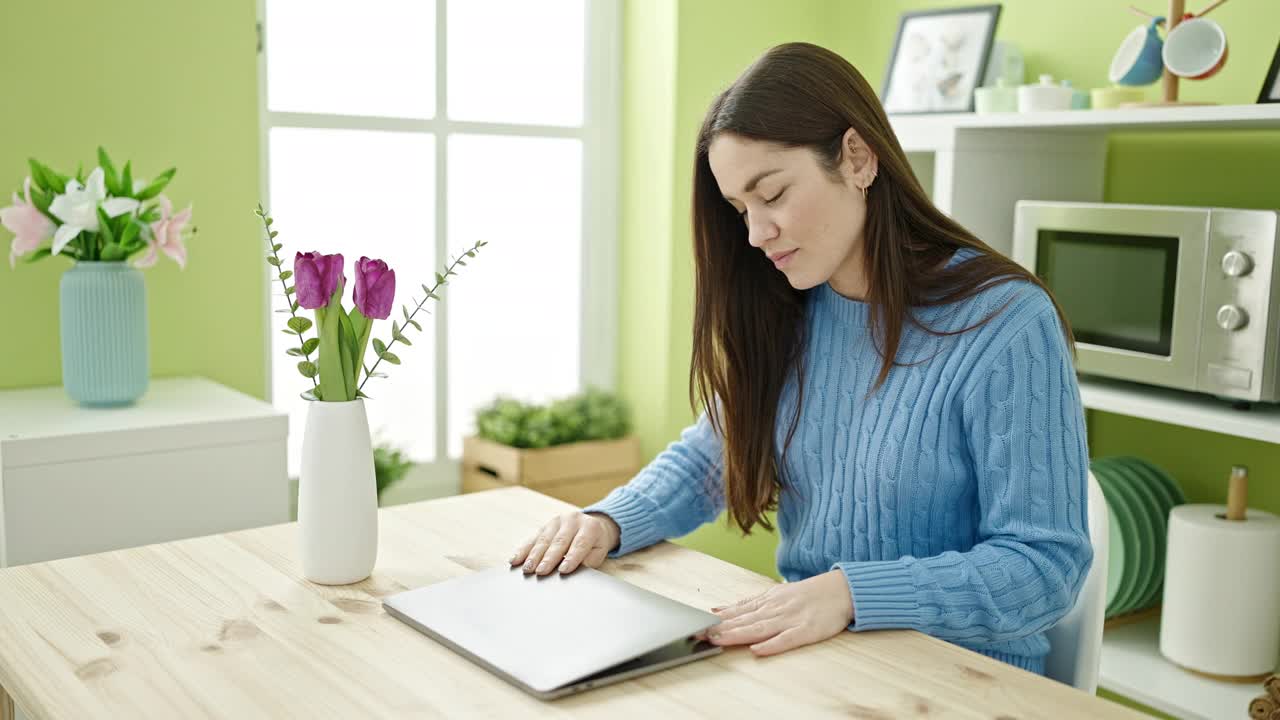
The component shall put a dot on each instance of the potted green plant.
(576, 448)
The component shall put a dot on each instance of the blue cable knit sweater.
(953, 498)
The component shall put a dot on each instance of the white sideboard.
(190, 458)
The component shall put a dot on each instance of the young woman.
(901, 394)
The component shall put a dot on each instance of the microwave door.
(1131, 293)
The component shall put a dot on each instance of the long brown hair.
(748, 328)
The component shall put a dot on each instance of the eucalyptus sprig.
(297, 325)
(383, 349)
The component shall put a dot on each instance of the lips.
(782, 258)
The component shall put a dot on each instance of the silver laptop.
(557, 634)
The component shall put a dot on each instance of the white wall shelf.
(978, 166)
(1132, 666)
(936, 132)
(1193, 410)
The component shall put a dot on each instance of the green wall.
(163, 84)
(716, 39)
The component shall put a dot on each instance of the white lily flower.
(78, 208)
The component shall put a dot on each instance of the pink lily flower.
(166, 234)
(29, 226)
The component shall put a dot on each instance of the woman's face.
(808, 223)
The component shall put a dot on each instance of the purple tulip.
(316, 277)
(375, 288)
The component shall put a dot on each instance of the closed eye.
(770, 201)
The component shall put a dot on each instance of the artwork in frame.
(1271, 86)
(938, 58)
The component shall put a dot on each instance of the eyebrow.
(755, 180)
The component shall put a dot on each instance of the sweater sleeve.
(681, 489)
(1025, 430)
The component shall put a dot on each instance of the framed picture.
(938, 58)
(1271, 86)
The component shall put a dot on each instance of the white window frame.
(600, 135)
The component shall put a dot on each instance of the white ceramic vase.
(337, 495)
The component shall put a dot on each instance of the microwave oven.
(1181, 297)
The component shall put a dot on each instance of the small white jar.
(1045, 95)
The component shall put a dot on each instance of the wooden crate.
(577, 473)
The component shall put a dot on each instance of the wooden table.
(225, 626)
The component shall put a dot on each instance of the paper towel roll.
(1221, 611)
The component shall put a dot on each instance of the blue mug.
(1139, 60)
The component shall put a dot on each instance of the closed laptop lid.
(547, 632)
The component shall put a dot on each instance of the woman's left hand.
(787, 616)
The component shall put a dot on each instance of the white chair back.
(1075, 643)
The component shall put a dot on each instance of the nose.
(760, 229)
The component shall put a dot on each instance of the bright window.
(409, 129)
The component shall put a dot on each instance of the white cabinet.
(190, 458)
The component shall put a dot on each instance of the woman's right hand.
(567, 541)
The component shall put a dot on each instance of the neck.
(850, 278)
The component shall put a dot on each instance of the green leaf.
(286, 274)
(308, 369)
(471, 253)
(277, 247)
(389, 357)
(108, 172)
(273, 234)
(113, 253)
(379, 347)
(131, 232)
(402, 339)
(405, 310)
(415, 324)
(294, 352)
(287, 331)
(157, 185)
(273, 260)
(39, 179)
(300, 324)
(289, 290)
(360, 394)
(294, 306)
(309, 346)
(439, 279)
(40, 199)
(104, 226)
(269, 221)
(126, 180)
(462, 263)
(348, 356)
(40, 254)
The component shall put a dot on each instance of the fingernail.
(564, 566)
(542, 567)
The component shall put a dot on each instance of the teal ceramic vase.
(103, 308)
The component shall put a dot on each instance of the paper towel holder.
(1237, 494)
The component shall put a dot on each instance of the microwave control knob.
(1232, 317)
(1236, 263)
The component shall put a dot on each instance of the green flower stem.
(440, 280)
(284, 286)
(347, 335)
(363, 328)
(333, 386)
